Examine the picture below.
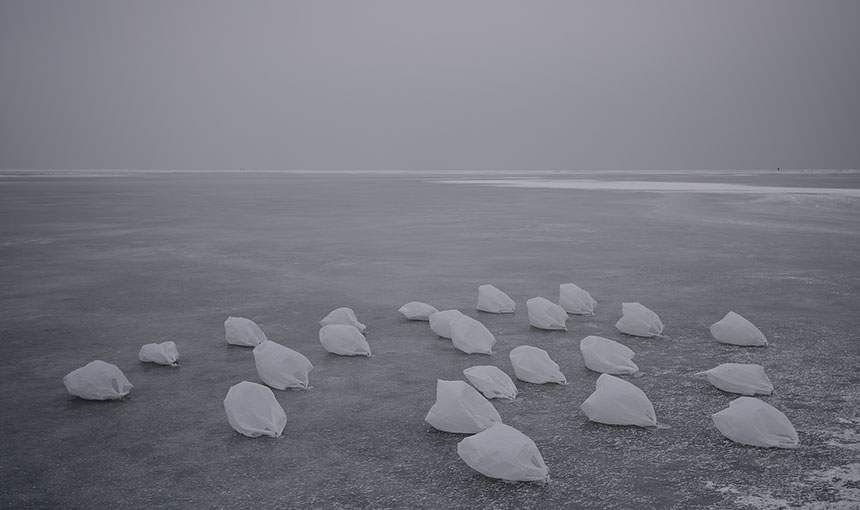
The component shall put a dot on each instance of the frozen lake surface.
(94, 266)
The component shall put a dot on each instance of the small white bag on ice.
(504, 452)
(491, 381)
(460, 409)
(164, 353)
(745, 379)
(343, 315)
(440, 322)
(492, 300)
(344, 339)
(252, 410)
(618, 402)
(281, 367)
(535, 366)
(417, 311)
(637, 320)
(752, 422)
(545, 314)
(97, 380)
(607, 356)
(244, 332)
(734, 329)
(575, 300)
(471, 337)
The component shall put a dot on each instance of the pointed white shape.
(471, 337)
(417, 311)
(607, 356)
(343, 315)
(244, 332)
(281, 367)
(344, 339)
(97, 380)
(734, 329)
(575, 300)
(504, 452)
(491, 381)
(440, 322)
(535, 366)
(745, 379)
(618, 402)
(545, 314)
(164, 353)
(752, 422)
(492, 300)
(637, 320)
(460, 409)
(252, 410)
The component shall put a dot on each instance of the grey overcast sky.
(429, 85)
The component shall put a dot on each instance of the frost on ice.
(607, 356)
(281, 367)
(575, 300)
(97, 380)
(417, 311)
(164, 353)
(471, 337)
(535, 366)
(344, 339)
(244, 332)
(491, 381)
(545, 314)
(343, 315)
(492, 300)
(440, 322)
(637, 320)
(252, 410)
(752, 422)
(734, 329)
(504, 452)
(460, 409)
(618, 402)
(745, 379)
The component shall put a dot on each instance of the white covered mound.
(535, 366)
(617, 402)
(417, 311)
(164, 353)
(504, 452)
(244, 332)
(734, 329)
(637, 320)
(344, 339)
(252, 410)
(607, 356)
(440, 322)
(575, 300)
(545, 314)
(745, 379)
(492, 300)
(471, 337)
(752, 422)
(281, 367)
(491, 381)
(97, 380)
(460, 409)
(343, 315)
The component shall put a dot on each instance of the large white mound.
(734, 329)
(417, 311)
(617, 402)
(745, 379)
(460, 409)
(752, 422)
(440, 322)
(281, 367)
(545, 314)
(252, 410)
(97, 380)
(575, 300)
(343, 315)
(244, 332)
(344, 339)
(491, 381)
(504, 452)
(637, 320)
(471, 337)
(492, 300)
(534, 365)
(164, 353)
(607, 356)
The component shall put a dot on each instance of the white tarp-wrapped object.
(244, 332)
(750, 421)
(252, 410)
(545, 314)
(471, 337)
(460, 409)
(440, 322)
(492, 300)
(607, 356)
(491, 381)
(343, 315)
(535, 366)
(575, 300)
(504, 452)
(637, 320)
(617, 402)
(344, 339)
(417, 311)
(745, 379)
(734, 329)
(97, 380)
(164, 353)
(281, 367)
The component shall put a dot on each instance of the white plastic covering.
(491, 381)
(504, 452)
(471, 337)
(637, 320)
(417, 311)
(575, 300)
(745, 379)
(460, 409)
(607, 356)
(244, 332)
(343, 315)
(281, 367)
(734, 329)
(252, 410)
(97, 380)
(545, 314)
(440, 322)
(752, 422)
(617, 402)
(491, 299)
(534, 365)
(164, 353)
(344, 339)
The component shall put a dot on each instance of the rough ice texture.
(618, 402)
(440, 322)
(637, 320)
(343, 315)
(545, 314)
(491, 381)
(460, 409)
(734, 329)
(743, 378)
(164, 353)
(253, 411)
(344, 339)
(532, 364)
(752, 422)
(417, 311)
(607, 356)
(574, 300)
(471, 337)
(281, 367)
(504, 452)
(97, 380)
(244, 332)
(493, 300)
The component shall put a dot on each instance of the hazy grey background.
(441, 85)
